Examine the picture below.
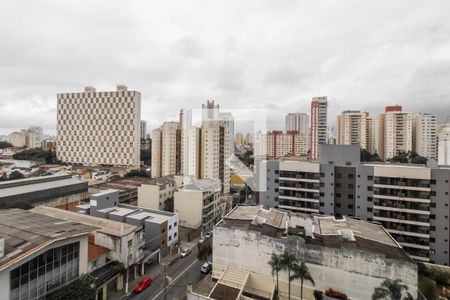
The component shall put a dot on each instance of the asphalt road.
(183, 271)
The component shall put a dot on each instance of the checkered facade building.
(99, 128)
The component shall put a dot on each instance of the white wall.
(355, 273)
(188, 205)
(148, 196)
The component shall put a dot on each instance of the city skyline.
(278, 61)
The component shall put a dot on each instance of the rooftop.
(105, 226)
(325, 230)
(203, 185)
(26, 231)
(29, 186)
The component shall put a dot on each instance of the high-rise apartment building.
(39, 136)
(319, 111)
(397, 131)
(291, 143)
(410, 201)
(297, 122)
(26, 138)
(426, 135)
(200, 152)
(166, 150)
(215, 152)
(444, 144)
(143, 130)
(352, 128)
(99, 128)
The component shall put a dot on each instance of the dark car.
(145, 282)
(206, 268)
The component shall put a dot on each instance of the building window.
(370, 178)
(32, 275)
(432, 181)
(338, 205)
(370, 188)
(369, 209)
(350, 206)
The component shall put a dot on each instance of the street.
(183, 271)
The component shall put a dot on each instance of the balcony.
(400, 221)
(300, 179)
(400, 187)
(299, 189)
(400, 198)
(299, 199)
(408, 233)
(301, 209)
(402, 210)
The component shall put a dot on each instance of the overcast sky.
(264, 54)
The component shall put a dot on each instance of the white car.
(185, 252)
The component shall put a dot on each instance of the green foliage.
(136, 173)
(36, 154)
(428, 288)
(204, 250)
(300, 271)
(4, 145)
(366, 156)
(78, 289)
(12, 176)
(276, 265)
(318, 295)
(246, 158)
(409, 157)
(146, 155)
(391, 289)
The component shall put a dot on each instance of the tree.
(428, 287)
(78, 289)
(4, 145)
(288, 261)
(409, 157)
(136, 173)
(15, 175)
(277, 265)
(391, 289)
(301, 272)
(366, 156)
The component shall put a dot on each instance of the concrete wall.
(440, 208)
(148, 197)
(356, 273)
(188, 205)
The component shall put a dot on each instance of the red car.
(145, 282)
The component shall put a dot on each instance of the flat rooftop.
(324, 230)
(203, 185)
(25, 231)
(120, 211)
(105, 226)
(33, 187)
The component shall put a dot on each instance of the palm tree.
(301, 272)
(391, 289)
(276, 265)
(288, 261)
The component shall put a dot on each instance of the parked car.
(145, 282)
(185, 252)
(206, 268)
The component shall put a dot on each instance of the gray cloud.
(265, 54)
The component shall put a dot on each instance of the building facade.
(319, 112)
(426, 135)
(347, 255)
(297, 122)
(410, 201)
(99, 128)
(166, 150)
(352, 129)
(280, 144)
(397, 132)
(443, 142)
